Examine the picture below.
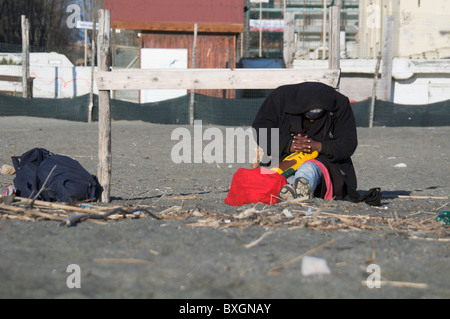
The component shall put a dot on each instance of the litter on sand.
(314, 266)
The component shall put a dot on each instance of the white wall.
(415, 82)
(420, 27)
(51, 81)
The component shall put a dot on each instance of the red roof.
(177, 11)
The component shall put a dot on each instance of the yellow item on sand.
(291, 163)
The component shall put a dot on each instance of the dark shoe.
(302, 188)
(287, 192)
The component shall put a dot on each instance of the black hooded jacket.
(336, 130)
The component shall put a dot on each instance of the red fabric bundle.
(258, 185)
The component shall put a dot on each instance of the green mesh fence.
(173, 111)
(392, 115)
(228, 112)
(214, 111)
(75, 109)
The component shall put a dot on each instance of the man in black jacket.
(310, 117)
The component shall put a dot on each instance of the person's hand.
(305, 144)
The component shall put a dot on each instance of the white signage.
(266, 25)
(86, 25)
(163, 59)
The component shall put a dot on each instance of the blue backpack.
(68, 182)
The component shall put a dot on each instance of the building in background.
(421, 27)
(236, 30)
(160, 34)
(166, 33)
(310, 27)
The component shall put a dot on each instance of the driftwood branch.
(42, 187)
(72, 220)
(24, 208)
(415, 197)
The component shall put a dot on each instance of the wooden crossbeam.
(203, 79)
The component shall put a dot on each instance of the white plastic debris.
(314, 266)
(246, 213)
(287, 213)
(400, 165)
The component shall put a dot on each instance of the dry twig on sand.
(300, 214)
(32, 209)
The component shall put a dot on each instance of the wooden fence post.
(388, 43)
(93, 54)
(335, 34)
(25, 56)
(289, 39)
(374, 92)
(104, 106)
(192, 99)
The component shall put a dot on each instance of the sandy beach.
(200, 247)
